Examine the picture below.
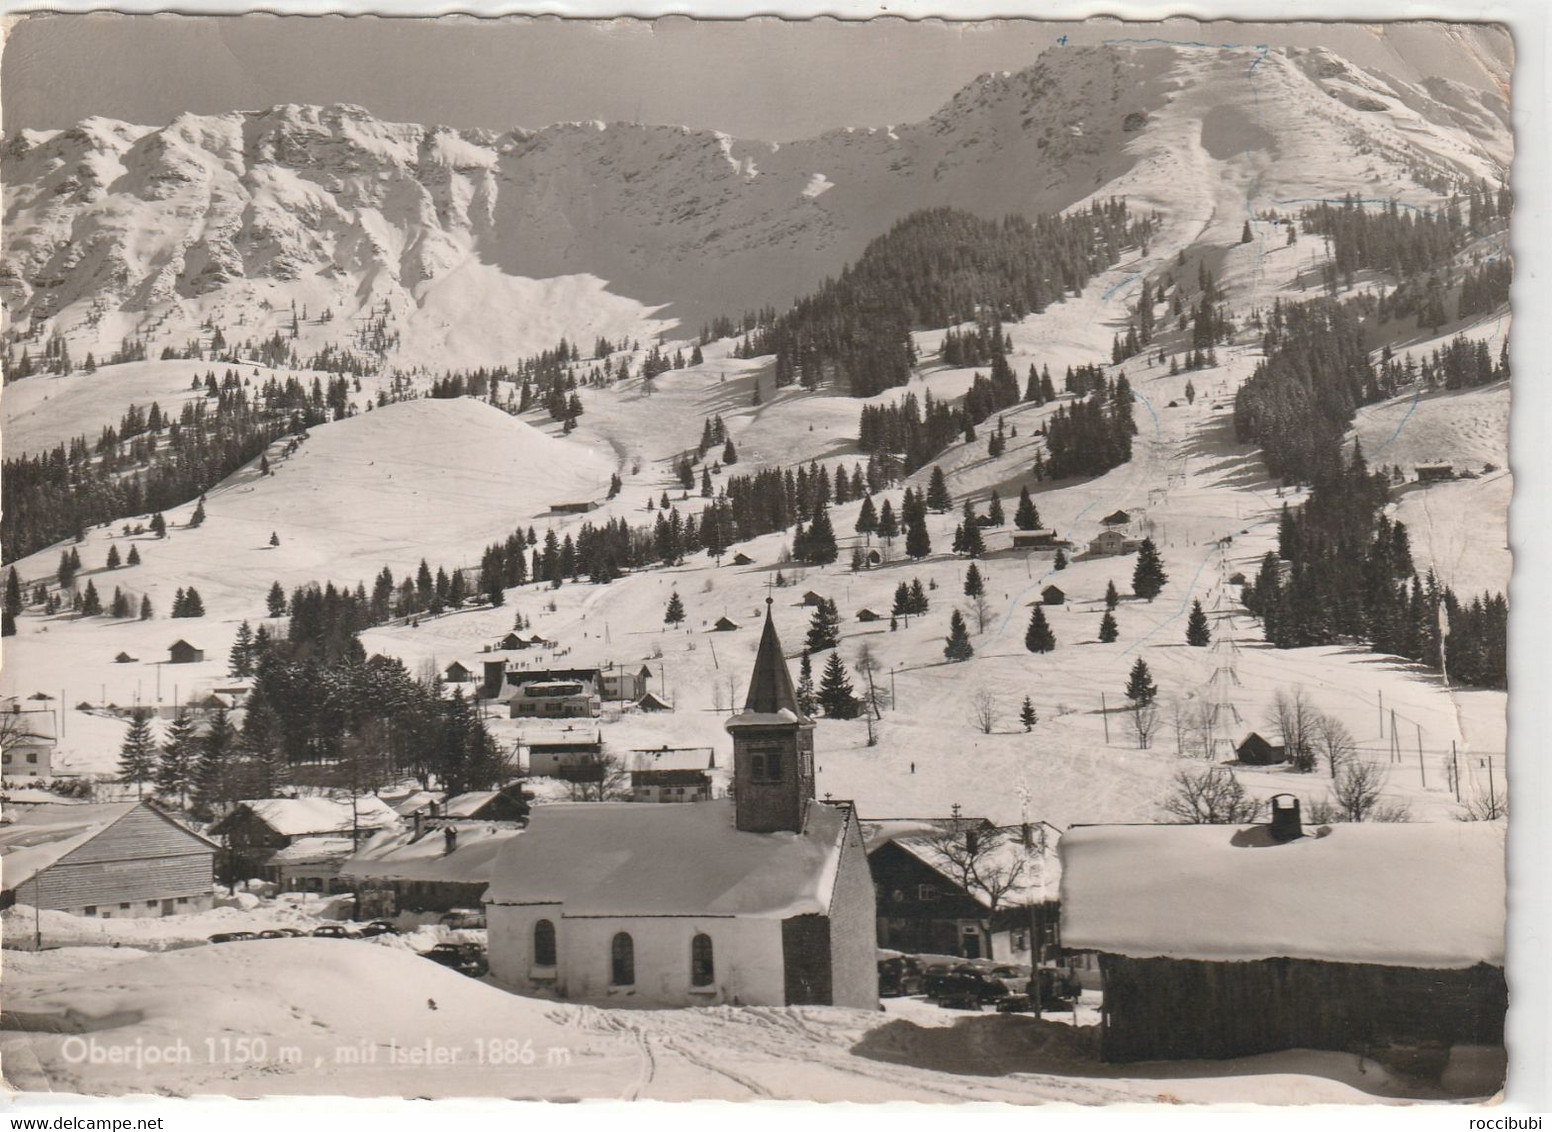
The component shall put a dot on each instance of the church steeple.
(773, 745)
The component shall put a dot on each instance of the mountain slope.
(419, 234)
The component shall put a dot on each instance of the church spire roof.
(770, 686)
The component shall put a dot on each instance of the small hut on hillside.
(1259, 752)
(724, 625)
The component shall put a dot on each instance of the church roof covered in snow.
(630, 859)
(1428, 895)
(771, 698)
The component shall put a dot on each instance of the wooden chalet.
(125, 658)
(651, 701)
(1218, 941)
(724, 625)
(181, 652)
(459, 673)
(812, 599)
(1115, 519)
(869, 615)
(1043, 539)
(252, 832)
(742, 559)
(1434, 473)
(121, 859)
(1256, 751)
(1053, 595)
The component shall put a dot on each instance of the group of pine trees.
(1344, 572)
(937, 268)
(1089, 437)
(152, 461)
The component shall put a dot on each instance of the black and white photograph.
(759, 560)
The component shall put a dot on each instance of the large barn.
(119, 859)
(763, 899)
(1221, 941)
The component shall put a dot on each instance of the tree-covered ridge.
(152, 462)
(935, 268)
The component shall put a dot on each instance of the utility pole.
(1421, 773)
(1104, 715)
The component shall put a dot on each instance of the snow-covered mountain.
(583, 229)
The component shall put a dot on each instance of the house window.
(89, 910)
(32, 756)
(622, 961)
(544, 944)
(151, 903)
(183, 900)
(125, 905)
(927, 893)
(702, 968)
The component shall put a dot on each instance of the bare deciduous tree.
(1334, 742)
(981, 861)
(1212, 796)
(983, 710)
(1358, 790)
(982, 607)
(1489, 805)
(611, 782)
(1294, 717)
(1145, 722)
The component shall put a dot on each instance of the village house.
(1108, 544)
(651, 701)
(761, 899)
(626, 684)
(672, 774)
(1053, 595)
(576, 756)
(929, 901)
(120, 859)
(724, 625)
(27, 741)
(459, 673)
(812, 600)
(431, 866)
(1256, 751)
(1435, 473)
(1034, 540)
(1116, 519)
(181, 652)
(555, 693)
(311, 864)
(1220, 941)
(254, 831)
(868, 615)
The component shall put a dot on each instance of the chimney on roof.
(1286, 825)
(972, 841)
(1027, 836)
(450, 840)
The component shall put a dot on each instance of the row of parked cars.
(466, 958)
(974, 984)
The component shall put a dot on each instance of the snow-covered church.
(763, 899)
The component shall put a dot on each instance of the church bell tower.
(773, 745)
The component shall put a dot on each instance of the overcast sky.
(764, 79)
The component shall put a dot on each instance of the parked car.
(967, 988)
(1012, 976)
(377, 927)
(335, 931)
(899, 976)
(232, 937)
(467, 958)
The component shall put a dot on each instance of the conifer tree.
(1112, 598)
(120, 606)
(867, 519)
(113, 558)
(274, 538)
(958, 646)
(1197, 632)
(145, 607)
(917, 542)
(213, 778)
(1060, 562)
(975, 585)
(902, 605)
(1038, 637)
(137, 754)
(7, 623)
(240, 662)
(91, 601)
(13, 592)
(276, 601)
(674, 614)
(198, 518)
(1140, 688)
(1148, 576)
(134, 556)
(1244, 233)
(808, 700)
(1027, 714)
(729, 453)
(994, 513)
(65, 575)
(824, 628)
(1027, 517)
(158, 525)
(820, 546)
(176, 764)
(918, 597)
(973, 544)
(938, 498)
(1107, 628)
(888, 526)
(193, 605)
(836, 694)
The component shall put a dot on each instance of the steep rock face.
(114, 229)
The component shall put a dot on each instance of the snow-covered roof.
(465, 805)
(674, 758)
(296, 817)
(1036, 876)
(34, 837)
(1401, 894)
(407, 804)
(313, 851)
(629, 859)
(398, 854)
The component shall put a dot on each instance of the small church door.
(805, 950)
